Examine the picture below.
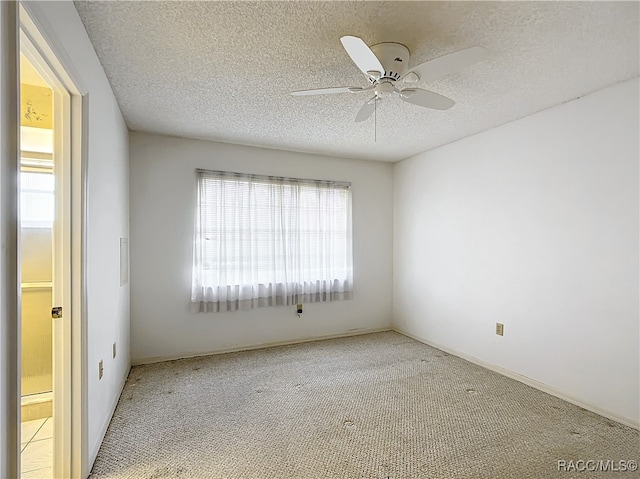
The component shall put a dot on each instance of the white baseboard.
(355, 332)
(525, 380)
(103, 430)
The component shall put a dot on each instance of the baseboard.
(105, 425)
(354, 332)
(40, 409)
(525, 380)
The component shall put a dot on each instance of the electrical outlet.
(114, 350)
(500, 329)
(100, 369)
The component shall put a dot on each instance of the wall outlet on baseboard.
(114, 350)
(100, 369)
(500, 329)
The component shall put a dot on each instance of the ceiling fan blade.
(448, 64)
(367, 110)
(426, 98)
(328, 91)
(362, 55)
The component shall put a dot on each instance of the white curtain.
(263, 241)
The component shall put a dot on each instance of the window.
(37, 200)
(263, 241)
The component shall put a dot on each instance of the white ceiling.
(223, 70)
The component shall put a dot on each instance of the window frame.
(39, 163)
(344, 283)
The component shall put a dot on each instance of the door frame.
(9, 271)
(70, 332)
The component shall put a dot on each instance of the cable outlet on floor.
(100, 369)
(500, 329)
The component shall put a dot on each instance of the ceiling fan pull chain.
(375, 120)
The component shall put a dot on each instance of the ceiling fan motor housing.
(394, 57)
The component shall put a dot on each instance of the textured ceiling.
(223, 70)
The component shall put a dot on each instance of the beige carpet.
(373, 406)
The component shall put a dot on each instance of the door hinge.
(56, 312)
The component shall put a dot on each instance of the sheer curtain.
(263, 241)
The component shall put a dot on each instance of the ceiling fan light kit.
(386, 66)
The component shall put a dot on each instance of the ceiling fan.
(386, 66)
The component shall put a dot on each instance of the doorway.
(52, 126)
(38, 198)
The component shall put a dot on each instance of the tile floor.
(37, 449)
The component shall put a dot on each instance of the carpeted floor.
(374, 406)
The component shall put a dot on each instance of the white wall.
(162, 213)
(107, 212)
(533, 224)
